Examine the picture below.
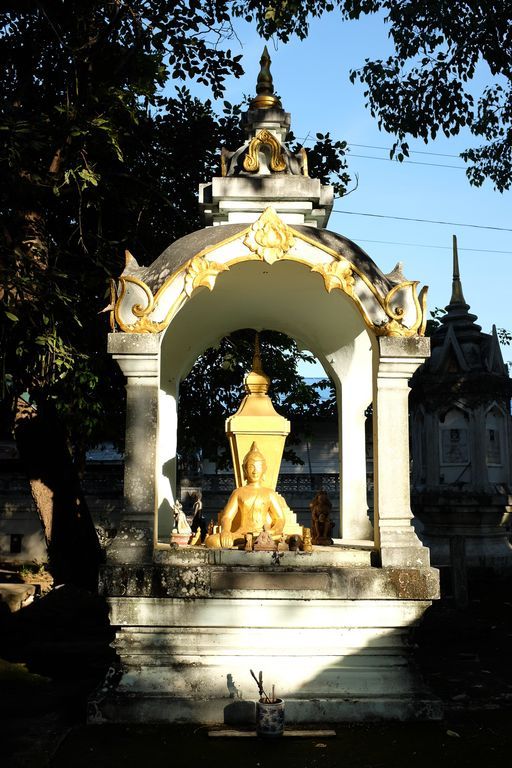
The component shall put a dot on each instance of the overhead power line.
(406, 162)
(388, 149)
(421, 221)
(426, 245)
(411, 151)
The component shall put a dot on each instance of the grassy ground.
(56, 651)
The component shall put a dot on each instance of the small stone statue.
(181, 525)
(307, 545)
(199, 520)
(321, 523)
(181, 531)
(198, 504)
(294, 543)
(265, 542)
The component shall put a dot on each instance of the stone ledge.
(322, 583)
(243, 580)
(164, 709)
(354, 554)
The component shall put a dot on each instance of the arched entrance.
(288, 298)
(321, 290)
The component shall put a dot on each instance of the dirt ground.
(55, 651)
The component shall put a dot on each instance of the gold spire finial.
(457, 295)
(256, 359)
(257, 382)
(266, 99)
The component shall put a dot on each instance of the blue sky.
(312, 78)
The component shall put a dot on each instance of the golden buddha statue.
(254, 505)
(251, 508)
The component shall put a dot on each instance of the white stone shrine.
(329, 628)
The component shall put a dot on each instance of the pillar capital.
(404, 347)
(137, 354)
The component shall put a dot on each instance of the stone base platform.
(331, 636)
(480, 520)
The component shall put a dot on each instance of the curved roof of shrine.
(182, 250)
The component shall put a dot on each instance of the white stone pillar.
(351, 368)
(394, 533)
(166, 460)
(354, 521)
(138, 357)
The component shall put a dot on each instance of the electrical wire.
(411, 151)
(424, 245)
(388, 149)
(406, 162)
(420, 221)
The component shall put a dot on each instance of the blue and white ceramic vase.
(270, 718)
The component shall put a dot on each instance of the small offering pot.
(270, 718)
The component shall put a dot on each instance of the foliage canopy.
(430, 82)
(214, 389)
(97, 157)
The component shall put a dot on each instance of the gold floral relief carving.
(141, 310)
(145, 325)
(200, 271)
(394, 326)
(422, 300)
(269, 237)
(304, 158)
(337, 274)
(264, 139)
(112, 305)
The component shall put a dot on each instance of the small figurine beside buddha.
(321, 523)
(252, 508)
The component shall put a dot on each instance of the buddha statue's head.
(254, 465)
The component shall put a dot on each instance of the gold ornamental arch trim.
(269, 239)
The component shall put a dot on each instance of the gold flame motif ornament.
(337, 274)
(269, 237)
(264, 139)
(200, 271)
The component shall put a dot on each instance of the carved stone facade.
(462, 440)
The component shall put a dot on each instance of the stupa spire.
(457, 311)
(265, 99)
(248, 183)
(257, 382)
(457, 294)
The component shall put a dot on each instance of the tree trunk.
(73, 547)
